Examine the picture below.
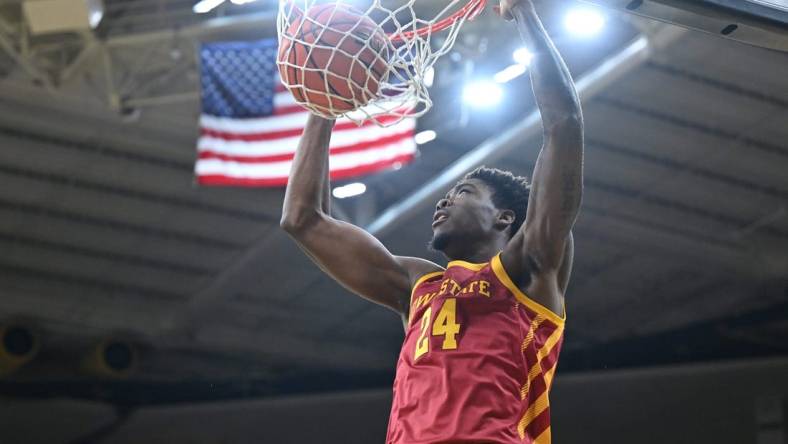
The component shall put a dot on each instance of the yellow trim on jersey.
(548, 377)
(544, 438)
(542, 353)
(468, 265)
(529, 337)
(547, 348)
(422, 279)
(497, 267)
(418, 282)
(540, 405)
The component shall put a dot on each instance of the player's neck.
(473, 253)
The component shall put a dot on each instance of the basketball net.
(412, 47)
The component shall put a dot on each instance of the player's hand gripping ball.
(333, 58)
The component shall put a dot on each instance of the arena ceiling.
(682, 243)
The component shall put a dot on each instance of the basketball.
(333, 58)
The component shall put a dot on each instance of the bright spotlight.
(349, 190)
(522, 56)
(204, 6)
(424, 137)
(241, 2)
(482, 94)
(584, 22)
(95, 18)
(511, 72)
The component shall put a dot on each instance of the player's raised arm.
(353, 257)
(544, 240)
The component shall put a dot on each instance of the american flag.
(250, 124)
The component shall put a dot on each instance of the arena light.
(95, 17)
(511, 72)
(204, 6)
(349, 190)
(241, 2)
(482, 94)
(424, 137)
(584, 22)
(522, 56)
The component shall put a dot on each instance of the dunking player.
(483, 335)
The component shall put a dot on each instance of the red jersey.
(477, 361)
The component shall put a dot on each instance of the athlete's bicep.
(556, 193)
(546, 285)
(357, 260)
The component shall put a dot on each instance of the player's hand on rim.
(505, 7)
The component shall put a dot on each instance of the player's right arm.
(350, 255)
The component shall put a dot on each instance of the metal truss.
(130, 71)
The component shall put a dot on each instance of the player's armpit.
(545, 285)
(357, 260)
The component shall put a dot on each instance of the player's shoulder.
(417, 267)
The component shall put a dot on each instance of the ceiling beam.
(204, 29)
(7, 45)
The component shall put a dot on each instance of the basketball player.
(482, 335)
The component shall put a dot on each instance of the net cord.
(406, 55)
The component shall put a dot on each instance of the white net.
(365, 60)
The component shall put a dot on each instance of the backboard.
(757, 22)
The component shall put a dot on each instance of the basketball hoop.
(409, 52)
(467, 12)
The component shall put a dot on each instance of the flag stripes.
(249, 133)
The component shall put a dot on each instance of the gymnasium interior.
(139, 306)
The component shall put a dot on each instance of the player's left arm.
(540, 253)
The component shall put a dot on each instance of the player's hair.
(510, 192)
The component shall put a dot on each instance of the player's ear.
(505, 218)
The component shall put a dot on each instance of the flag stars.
(238, 78)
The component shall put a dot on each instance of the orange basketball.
(333, 58)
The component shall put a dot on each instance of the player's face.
(465, 214)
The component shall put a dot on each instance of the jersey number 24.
(445, 324)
